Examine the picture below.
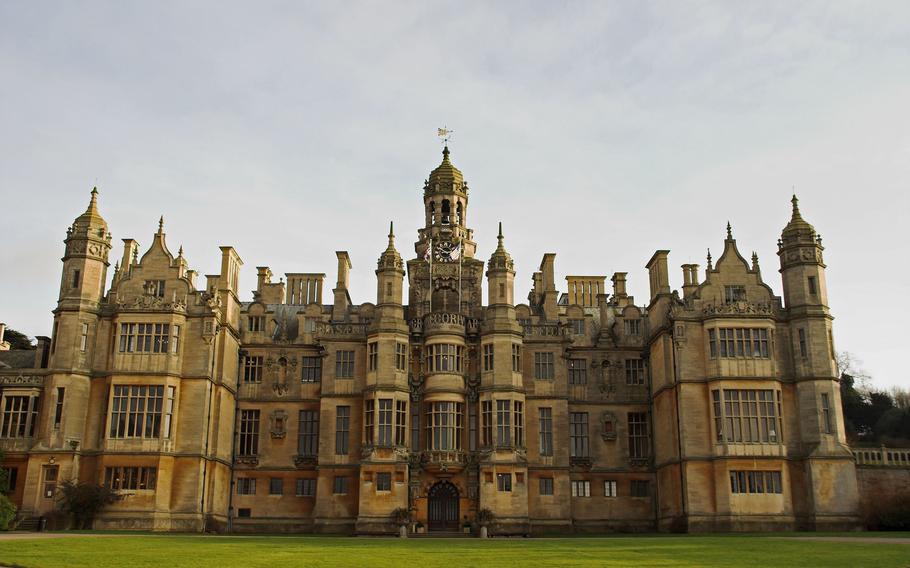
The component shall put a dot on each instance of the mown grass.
(179, 551)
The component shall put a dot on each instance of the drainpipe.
(208, 427)
(230, 522)
(682, 475)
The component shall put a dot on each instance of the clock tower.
(445, 276)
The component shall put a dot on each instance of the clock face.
(447, 251)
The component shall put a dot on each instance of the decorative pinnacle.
(499, 236)
(729, 230)
(795, 203)
(391, 230)
(93, 202)
(710, 266)
(180, 251)
(161, 225)
(445, 153)
(754, 260)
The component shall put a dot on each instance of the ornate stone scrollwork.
(278, 421)
(304, 461)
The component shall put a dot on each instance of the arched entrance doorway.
(442, 505)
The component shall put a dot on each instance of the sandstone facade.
(716, 408)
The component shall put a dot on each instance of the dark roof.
(17, 359)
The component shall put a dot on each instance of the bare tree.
(850, 364)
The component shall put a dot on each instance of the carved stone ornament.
(304, 461)
(248, 460)
(278, 422)
(608, 426)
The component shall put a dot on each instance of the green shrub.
(7, 512)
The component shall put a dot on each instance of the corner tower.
(828, 464)
(82, 281)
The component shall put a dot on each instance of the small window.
(252, 369)
(312, 369)
(546, 485)
(610, 488)
(543, 365)
(826, 413)
(635, 372)
(734, 294)
(246, 486)
(401, 356)
(344, 364)
(383, 481)
(578, 371)
(306, 487)
(581, 488)
(58, 408)
(488, 357)
(812, 286)
(256, 323)
(641, 488)
(83, 339)
(76, 277)
(276, 486)
(50, 481)
(340, 486)
(516, 358)
(244, 513)
(577, 326)
(803, 348)
(373, 356)
(504, 481)
(632, 326)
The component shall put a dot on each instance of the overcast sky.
(599, 131)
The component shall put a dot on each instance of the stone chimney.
(342, 296)
(690, 279)
(4, 345)
(658, 274)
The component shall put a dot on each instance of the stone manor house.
(716, 407)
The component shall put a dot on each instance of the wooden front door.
(443, 507)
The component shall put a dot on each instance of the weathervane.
(445, 134)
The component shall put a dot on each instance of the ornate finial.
(161, 225)
(93, 202)
(754, 260)
(180, 251)
(795, 203)
(729, 230)
(117, 266)
(710, 266)
(445, 153)
(391, 229)
(136, 255)
(499, 236)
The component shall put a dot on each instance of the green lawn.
(173, 551)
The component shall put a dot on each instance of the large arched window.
(446, 212)
(459, 218)
(432, 213)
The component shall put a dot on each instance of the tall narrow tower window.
(812, 287)
(432, 213)
(446, 211)
(826, 413)
(76, 276)
(459, 217)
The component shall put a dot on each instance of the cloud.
(600, 131)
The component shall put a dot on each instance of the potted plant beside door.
(485, 518)
(401, 517)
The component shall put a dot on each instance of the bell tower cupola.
(801, 265)
(85, 260)
(445, 199)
